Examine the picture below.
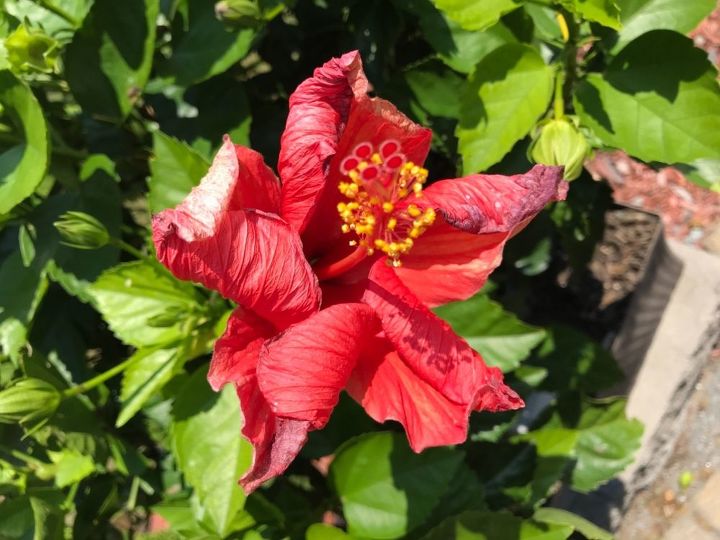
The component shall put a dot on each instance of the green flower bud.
(28, 50)
(560, 142)
(82, 231)
(238, 12)
(27, 400)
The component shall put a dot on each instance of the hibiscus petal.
(249, 256)
(276, 441)
(476, 216)
(318, 112)
(302, 372)
(431, 349)
(257, 186)
(238, 347)
(389, 390)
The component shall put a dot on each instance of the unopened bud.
(82, 231)
(238, 12)
(560, 142)
(28, 400)
(31, 50)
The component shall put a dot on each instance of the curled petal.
(276, 441)
(431, 349)
(318, 112)
(389, 390)
(237, 179)
(302, 371)
(249, 256)
(476, 216)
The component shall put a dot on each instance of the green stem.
(129, 249)
(569, 55)
(58, 151)
(98, 379)
(558, 101)
(60, 12)
(21, 456)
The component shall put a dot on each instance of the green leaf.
(204, 113)
(575, 362)
(27, 244)
(459, 48)
(148, 372)
(52, 23)
(108, 61)
(508, 91)
(431, 89)
(320, 531)
(205, 47)
(606, 445)
(133, 296)
(499, 336)
(605, 12)
(640, 16)
(22, 165)
(48, 517)
(553, 441)
(661, 82)
(563, 517)
(21, 290)
(70, 466)
(209, 450)
(496, 526)
(174, 170)
(16, 519)
(386, 489)
(476, 14)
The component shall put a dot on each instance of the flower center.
(376, 181)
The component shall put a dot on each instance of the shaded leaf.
(605, 12)
(606, 445)
(661, 82)
(575, 361)
(496, 526)
(23, 165)
(563, 517)
(205, 46)
(209, 450)
(320, 531)
(508, 91)
(386, 489)
(108, 61)
(640, 16)
(476, 14)
(149, 371)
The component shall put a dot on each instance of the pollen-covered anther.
(377, 180)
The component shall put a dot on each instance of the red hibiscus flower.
(335, 268)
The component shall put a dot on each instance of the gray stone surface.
(688, 330)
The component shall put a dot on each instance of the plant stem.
(60, 12)
(98, 379)
(58, 151)
(117, 242)
(558, 101)
(21, 456)
(569, 55)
